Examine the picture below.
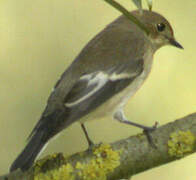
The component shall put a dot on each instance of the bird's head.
(160, 30)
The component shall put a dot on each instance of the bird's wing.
(92, 78)
(93, 89)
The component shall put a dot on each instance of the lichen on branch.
(118, 160)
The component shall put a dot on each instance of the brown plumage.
(106, 73)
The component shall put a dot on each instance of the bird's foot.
(147, 131)
(92, 146)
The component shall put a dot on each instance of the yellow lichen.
(105, 161)
(42, 169)
(62, 173)
(181, 143)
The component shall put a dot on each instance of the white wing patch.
(114, 76)
(99, 80)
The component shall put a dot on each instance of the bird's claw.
(147, 131)
(93, 146)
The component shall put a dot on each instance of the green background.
(39, 39)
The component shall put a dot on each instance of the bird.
(107, 72)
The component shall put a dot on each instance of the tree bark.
(119, 160)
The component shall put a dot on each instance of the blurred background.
(40, 38)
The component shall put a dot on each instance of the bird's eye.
(160, 27)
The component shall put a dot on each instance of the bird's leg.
(90, 142)
(119, 115)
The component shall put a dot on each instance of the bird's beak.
(173, 42)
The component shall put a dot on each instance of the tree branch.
(120, 159)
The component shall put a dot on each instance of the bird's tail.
(25, 160)
(45, 129)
